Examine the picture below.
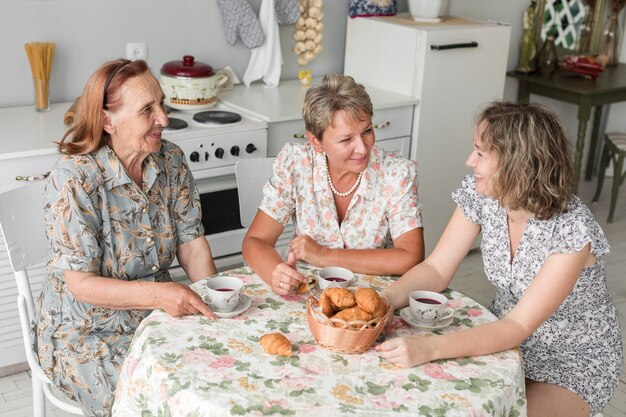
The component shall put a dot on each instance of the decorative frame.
(566, 36)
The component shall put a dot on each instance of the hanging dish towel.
(267, 59)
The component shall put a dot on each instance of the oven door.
(222, 225)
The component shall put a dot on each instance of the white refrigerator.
(454, 68)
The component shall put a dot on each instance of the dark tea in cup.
(427, 301)
(427, 307)
(335, 279)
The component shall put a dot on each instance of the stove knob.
(250, 148)
(219, 153)
(234, 151)
(206, 156)
(194, 157)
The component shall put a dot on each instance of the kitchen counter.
(284, 103)
(26, 132)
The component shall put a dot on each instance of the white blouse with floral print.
(384, 206)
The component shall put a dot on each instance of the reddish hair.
(101, 92)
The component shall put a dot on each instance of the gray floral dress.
(579, 347)
(98, 220)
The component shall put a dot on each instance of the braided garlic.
(308, 34)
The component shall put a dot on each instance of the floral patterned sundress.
(98, 220)
(579, 347)
(384, 206)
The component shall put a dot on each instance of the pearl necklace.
(334, 190)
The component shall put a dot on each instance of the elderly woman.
(120, 204)
(352, 204)
(543, 251)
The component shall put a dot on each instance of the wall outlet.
(137, 50)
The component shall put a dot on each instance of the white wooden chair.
(22, 226)
(251, 174)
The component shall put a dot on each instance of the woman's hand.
(285, 278)
(180, 300)
(408, 351)
(308, 250)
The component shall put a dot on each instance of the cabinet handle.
(382, 125)
(38, 177)
(299, 136)
(453, 46)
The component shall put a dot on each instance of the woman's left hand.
(308, 250)
(408, 351)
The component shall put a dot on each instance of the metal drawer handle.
(382, 125)
(299, 135)
(453, 46)
(38, 177)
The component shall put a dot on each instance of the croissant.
(276, 344)
(367, 298)
(326, 305)
(352, 313)
(381, 310)
(340, 297)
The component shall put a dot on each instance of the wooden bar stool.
(614, 150)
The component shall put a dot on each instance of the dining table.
(194, 366)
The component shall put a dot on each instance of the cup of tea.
(427, 307)
(224, 293)
(335, 276)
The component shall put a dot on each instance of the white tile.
(7, 384)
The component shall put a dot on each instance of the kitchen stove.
(212, 149)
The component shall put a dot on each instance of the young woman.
(543, 251)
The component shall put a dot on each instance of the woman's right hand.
(408, 351)
(180, 300)
(285, 278)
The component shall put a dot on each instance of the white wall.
(89, 32)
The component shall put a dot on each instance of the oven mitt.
(239, 20)
(287, 11)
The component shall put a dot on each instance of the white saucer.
(244, 303)
(406, 315)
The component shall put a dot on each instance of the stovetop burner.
(176, 124)
(219, 117)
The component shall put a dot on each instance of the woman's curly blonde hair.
(535, 159)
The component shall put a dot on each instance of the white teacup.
(335, 276)
(427, 307)
(224, 293)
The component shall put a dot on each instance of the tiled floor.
(15, 390)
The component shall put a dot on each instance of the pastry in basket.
(368, 299)
(381, 310)
(276, 344)
(351, 314)
(335, 299)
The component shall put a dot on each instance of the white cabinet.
(281, 108)
(26, 150)
(454, 68)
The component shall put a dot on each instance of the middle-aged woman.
(352, 204)
(543, 251)
(120, 204)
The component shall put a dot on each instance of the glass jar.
(610, 40)
(547, 58)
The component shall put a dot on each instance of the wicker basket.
(350, 337)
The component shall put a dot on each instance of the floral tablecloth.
(192, 366)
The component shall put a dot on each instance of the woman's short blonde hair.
(535, 159)
(101, 92)
(335, 93)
